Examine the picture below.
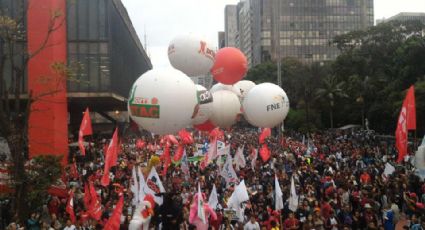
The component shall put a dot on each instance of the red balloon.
(206, 126)
(230, 66)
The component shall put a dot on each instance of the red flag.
(114, 221)
(265, 152)
(85, 129)
(179, 153)
(87, 197)
(166, 159)
(216, 134)
(411, 108)
(185, 137)
(74, 171)
(95, 209)
(70, 206)
(406, 121)
(110, 158)
(264, 134)
(170, 139)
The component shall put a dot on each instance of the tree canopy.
(368, 80)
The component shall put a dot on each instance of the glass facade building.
(103, 42)
(302, 29)
(104, 54)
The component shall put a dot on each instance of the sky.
(162, 20)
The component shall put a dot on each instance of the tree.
(378, 64)
(14, 108)
(331, 90)
(299, 81)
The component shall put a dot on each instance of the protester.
(338, 176)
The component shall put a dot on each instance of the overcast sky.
(162, 20)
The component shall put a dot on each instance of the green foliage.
(44, 171)
(368, 79)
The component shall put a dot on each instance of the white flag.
(201, 212)
(220, 145)
(223, 151)
(141, 184)
(238, 196)
(212, 151)
(293, 197)
(254, 156)
(239, 158)
(154, 186)
(135, 187)
(389, 169)
(228, 172)
(213, 199)
(241, 192)
(278, 193)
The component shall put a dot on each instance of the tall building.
(230, 25)
(244, 41)
(96, 34)
(302, 29)
(405, 16)
(221, 42)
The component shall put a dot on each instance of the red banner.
(48, 121)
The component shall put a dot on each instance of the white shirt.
(251, 226)
(72, 227)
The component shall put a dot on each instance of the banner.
(154, 186)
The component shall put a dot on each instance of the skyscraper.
(230, 25)
(302, 29)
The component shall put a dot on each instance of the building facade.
(302, 29)
(96, 40)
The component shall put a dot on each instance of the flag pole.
(416, 142)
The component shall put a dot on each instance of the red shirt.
(291, 222)
(365, 178)
(326, 210)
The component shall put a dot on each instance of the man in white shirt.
(69, 226)
(252, 224)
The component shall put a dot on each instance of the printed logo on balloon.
(203, 49)
(140, 107)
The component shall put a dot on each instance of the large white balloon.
(163, 101)
(245, 86)
(205, 101)
(233, 88)
(226, 107)
(192, 55)
(266, 105)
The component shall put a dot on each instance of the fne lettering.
(273, 107)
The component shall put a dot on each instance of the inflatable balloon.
(230, 65)
(245, 86)
(205, 100)
(163, 101)
(226, 107)
(206, 126)
(233, 88)
(266, 105)
(191, 54)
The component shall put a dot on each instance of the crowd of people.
(339, 179)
